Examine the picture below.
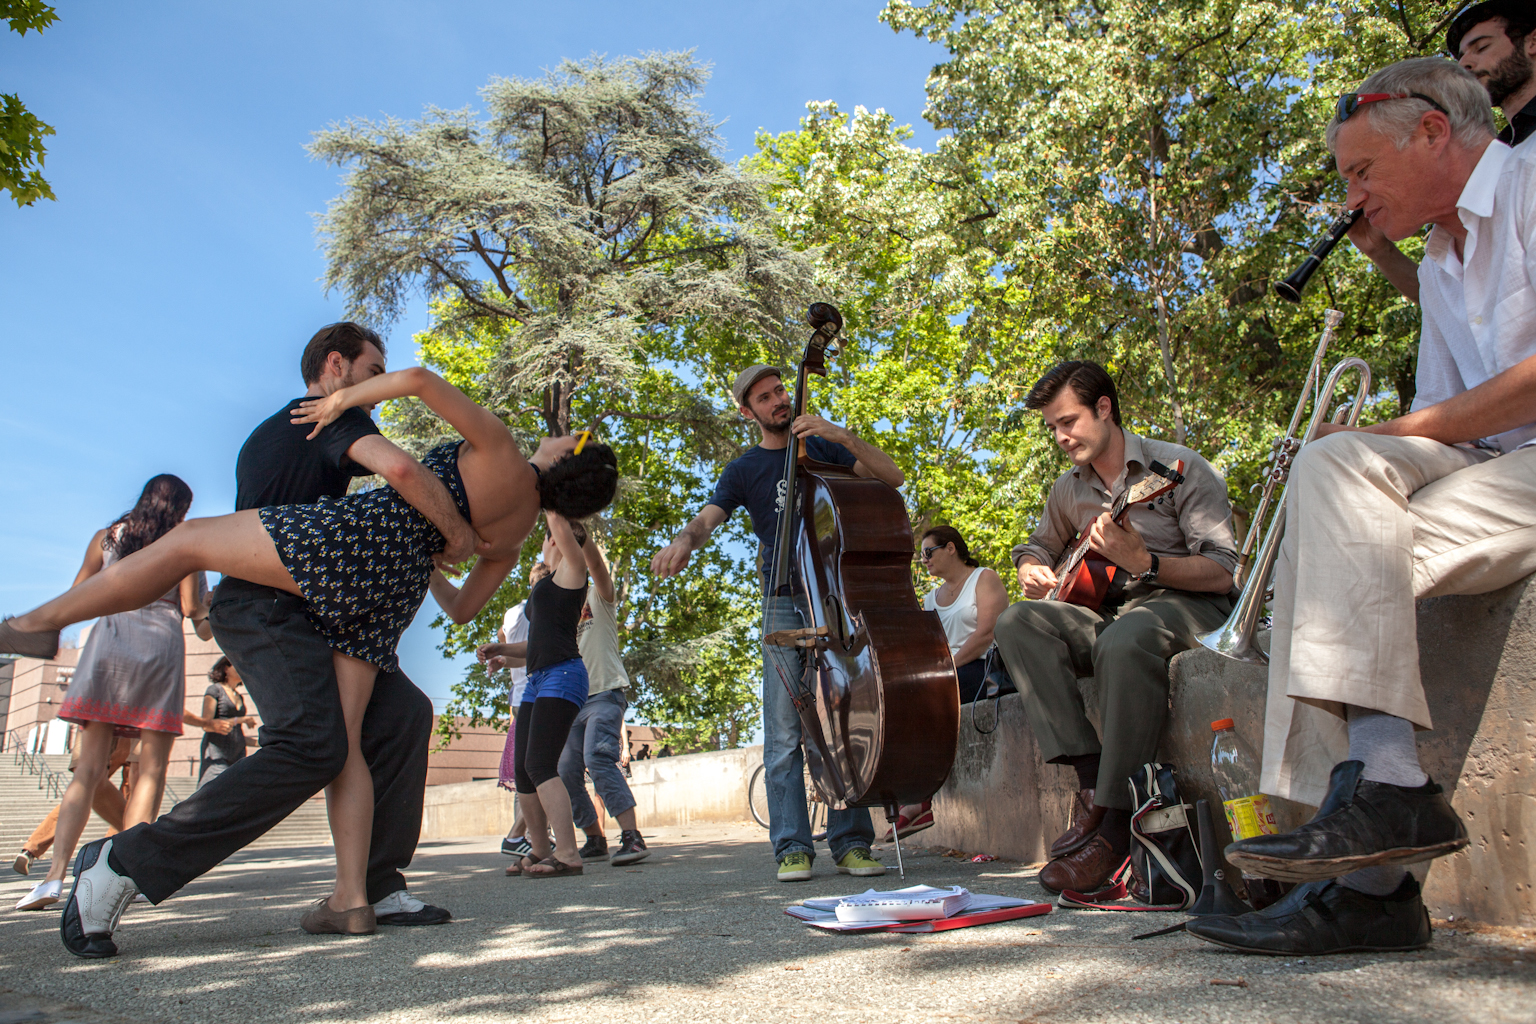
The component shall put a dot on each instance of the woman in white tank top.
(968, 602)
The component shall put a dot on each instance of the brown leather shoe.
(1086, 819)
(1084, 871)
(320, 919)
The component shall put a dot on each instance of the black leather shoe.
(596, 848)
(1324, 917)
(1359, 825)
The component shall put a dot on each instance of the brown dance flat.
(561, 869)
(30, 645)
(320, 919)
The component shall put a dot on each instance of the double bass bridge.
(817, 637)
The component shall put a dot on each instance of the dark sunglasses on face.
(1350, 102)
(928, 552)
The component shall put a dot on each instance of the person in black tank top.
(557, 689)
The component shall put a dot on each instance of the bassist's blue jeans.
(789, 827)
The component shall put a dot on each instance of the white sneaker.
(43, 894)
(22, 865)
(100, 894)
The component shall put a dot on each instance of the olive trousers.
(1049, 645)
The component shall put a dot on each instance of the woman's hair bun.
(581, 485)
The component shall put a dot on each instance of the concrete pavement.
(697, 933)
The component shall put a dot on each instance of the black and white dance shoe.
(96, 903)
(400, 908)
(1360, 824)
(1324, 917)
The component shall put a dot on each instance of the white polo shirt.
(1479, 311)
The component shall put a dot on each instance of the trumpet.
(1235, 638)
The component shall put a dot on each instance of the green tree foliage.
(1116, 180)
(21, 132)
(592, 260)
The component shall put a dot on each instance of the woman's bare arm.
(194, 605)
(572, 573)
(991, 599)
(93, 559)
(477, 426)
(463, 603)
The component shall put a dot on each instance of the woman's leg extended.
(149, 785)
(349, 798)
(235, 545)
(550, 726)
(75, 810)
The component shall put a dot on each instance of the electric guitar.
(1082, 576)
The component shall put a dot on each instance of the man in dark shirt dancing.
(287, 668)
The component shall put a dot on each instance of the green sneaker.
(796, 867)
(858, 862)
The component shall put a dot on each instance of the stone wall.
(677, 790)
(1477, 655)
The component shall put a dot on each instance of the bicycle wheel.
(757, 797)
(815, 810)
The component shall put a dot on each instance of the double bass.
(879, 701)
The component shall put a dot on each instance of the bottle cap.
(1222, 723)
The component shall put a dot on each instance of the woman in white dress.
(968, 601)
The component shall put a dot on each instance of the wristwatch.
(1150, 575)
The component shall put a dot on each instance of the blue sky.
(154, 314)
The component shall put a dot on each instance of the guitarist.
(1173, 580)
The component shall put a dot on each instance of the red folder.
(944, 924)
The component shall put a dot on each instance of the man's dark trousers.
(287, 668)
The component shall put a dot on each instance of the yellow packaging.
(1250, 816)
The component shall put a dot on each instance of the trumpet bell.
(1230, 641)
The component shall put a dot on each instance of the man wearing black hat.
(1496, 41)
(755, 480)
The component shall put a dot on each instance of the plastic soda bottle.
(1237, 777)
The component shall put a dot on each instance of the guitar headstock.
(1158, 481)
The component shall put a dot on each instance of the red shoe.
(923, 820)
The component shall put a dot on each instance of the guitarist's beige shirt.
(1194, 519)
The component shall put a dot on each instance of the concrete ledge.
(682, 790)
(1477, 655)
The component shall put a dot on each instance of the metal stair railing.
(54, 783)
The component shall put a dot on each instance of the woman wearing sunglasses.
(968, 602)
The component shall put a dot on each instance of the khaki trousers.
(1048, 645)
(1372, 524)
(109, 802)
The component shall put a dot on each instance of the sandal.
(520, 865)
(561, 868)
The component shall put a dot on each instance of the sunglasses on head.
(1350, 102)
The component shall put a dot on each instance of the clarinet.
(1290, 288)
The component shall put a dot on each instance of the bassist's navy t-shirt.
(756, 481)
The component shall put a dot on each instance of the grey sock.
(1382, 880)
(1385, 743)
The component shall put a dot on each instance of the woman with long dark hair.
(129, 679)
(364, 563)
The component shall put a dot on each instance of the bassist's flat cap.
(750, 376)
